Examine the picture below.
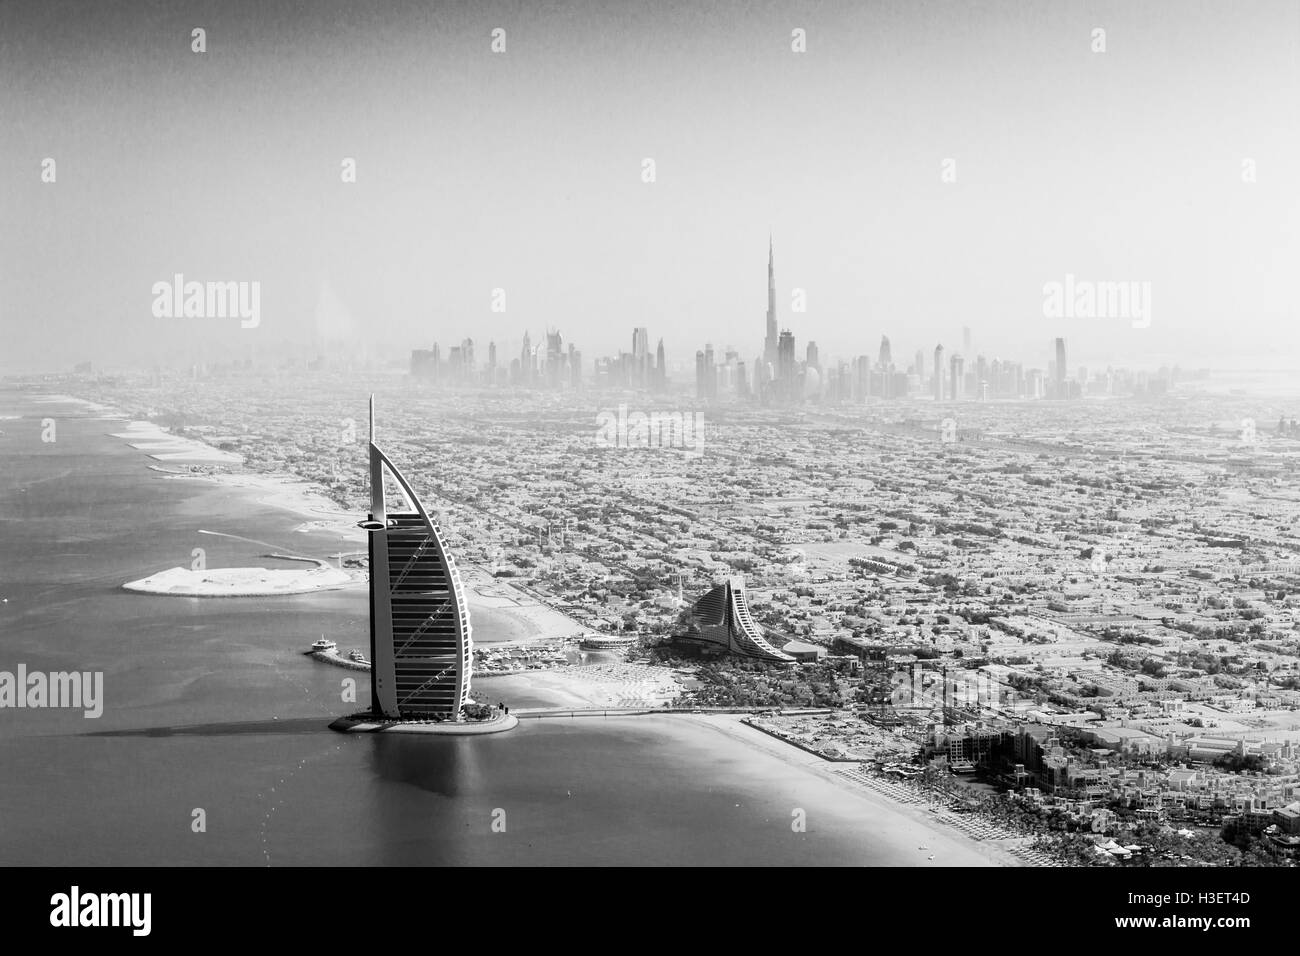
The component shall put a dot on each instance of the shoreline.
(288, 493)
(591, 686)
(892, 823)
(520, 616)
(565, 688)
(733, 727)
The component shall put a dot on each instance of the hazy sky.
(523, 170)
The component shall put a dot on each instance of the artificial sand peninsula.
(241, 582)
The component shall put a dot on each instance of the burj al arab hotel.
(421, 649)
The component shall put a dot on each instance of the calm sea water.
(211, 704)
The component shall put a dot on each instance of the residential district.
(1076, 621)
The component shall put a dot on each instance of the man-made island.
(242, 582)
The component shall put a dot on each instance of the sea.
(213, 748)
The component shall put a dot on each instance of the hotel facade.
(421, 645)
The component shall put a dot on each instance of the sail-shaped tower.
(421, 645)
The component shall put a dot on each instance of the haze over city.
(522, 170)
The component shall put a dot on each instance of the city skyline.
(776, 374)
(945, 202)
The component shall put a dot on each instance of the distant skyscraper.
(785, 366)
(957, 377)
(771, 342)
(421, 646)
(885, 361)
(812, 356)
(575, 366)
(938, 373)
(555, 359)
(1060, 370)
(1034, 386)
(641, 356)
(706, 375)
(422, 365)
(661, 373)
(467, 367)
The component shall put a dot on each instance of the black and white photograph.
(534, 434)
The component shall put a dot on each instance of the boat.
(324, 646)
(356, 655)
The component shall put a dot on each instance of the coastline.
(948, 846)
(292, 494)
(582, 686)
(903, 821)
(902, 830)
(498, 604)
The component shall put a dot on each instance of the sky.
(523, 170)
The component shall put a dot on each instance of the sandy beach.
(505, 614)
(105, 411)
(613, 684)
(161, 445)
(500, 611)
(295, 495)
(910, 832)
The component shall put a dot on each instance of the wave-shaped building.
(721, 621)
(421, 646)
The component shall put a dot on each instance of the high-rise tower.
(770, 342)
(1060, 378)
(785, 367)
(640, 356)
(421, 647)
